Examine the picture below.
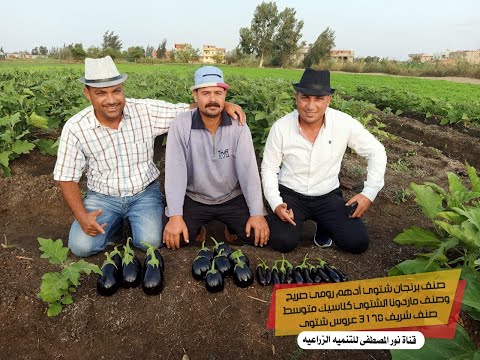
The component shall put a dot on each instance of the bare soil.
(185, 319)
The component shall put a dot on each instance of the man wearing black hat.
(301, 163)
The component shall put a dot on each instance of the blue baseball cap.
(209, 76)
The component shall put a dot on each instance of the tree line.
(273, 39)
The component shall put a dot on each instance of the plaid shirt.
(119, 161)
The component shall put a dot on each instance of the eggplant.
(131, 267)
(282, 275)
(223, 264)
(306, 276)
(214, 280)
(227, 250)
(340, 273)
(116, 256)
(289, 275)
(238, 255)
(297, 275)
(109, 282)
(242, 275)
(314, 275)
(331, 273)
(263, 274)
(153, 277)
(205, 252)
(275, 277)
(200, 267)
(321, 273)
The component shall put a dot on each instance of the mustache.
(212, 104)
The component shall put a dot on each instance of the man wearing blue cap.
(301, 162)
(113, 139)
(211, 170)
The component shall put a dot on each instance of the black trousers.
(328, 211)
(233, 213)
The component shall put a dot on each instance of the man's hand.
(364, 204)
(174, 228)
(88, 222)
(285, 214)
(235, 112)
(260, 227)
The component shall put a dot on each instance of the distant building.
(471, 56)
(23, 55)
(300, 54)
(343, 56)
(336, 55)
(177, 47)
(423, 58)
(213, 55)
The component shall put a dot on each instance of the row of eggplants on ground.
(283, 272)
(127, 271)
(221, 262)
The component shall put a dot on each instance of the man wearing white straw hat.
(114, 140)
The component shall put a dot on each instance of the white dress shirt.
(312, 169)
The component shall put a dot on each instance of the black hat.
(315, 82)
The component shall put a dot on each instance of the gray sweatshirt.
(210, 169)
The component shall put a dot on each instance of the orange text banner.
(395, 302)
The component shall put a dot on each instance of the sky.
(389, 28)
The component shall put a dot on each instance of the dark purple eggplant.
(214, 280)
(242, 275)
(227, 250)
(116, 256)
(332, 275)
(238, 255)
(306, 276)
(200, 267)
(205, 252)
(153, 276)
(340, 273)
(289, 275)
(131, 267)
(109, 282)
(263, 274)
(275, 277)
(223, 264)
(321, 273)
(314, 275)
(297, 275)
(284, 273)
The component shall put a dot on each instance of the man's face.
(311, 108)
(108, 102)
(210, 100)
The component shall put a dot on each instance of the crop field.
(425, 219)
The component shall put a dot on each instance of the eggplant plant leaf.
(53, 250)
(429, 201)
(417, 237)
(440, 349)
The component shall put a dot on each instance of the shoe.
(322, 241)
(202, 234)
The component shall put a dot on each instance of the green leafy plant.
(401, 196)
(453, 242)
(57, 287)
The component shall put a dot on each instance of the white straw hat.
(101, 73)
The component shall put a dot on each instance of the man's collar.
(197, 122)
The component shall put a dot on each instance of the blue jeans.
(143, 210)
